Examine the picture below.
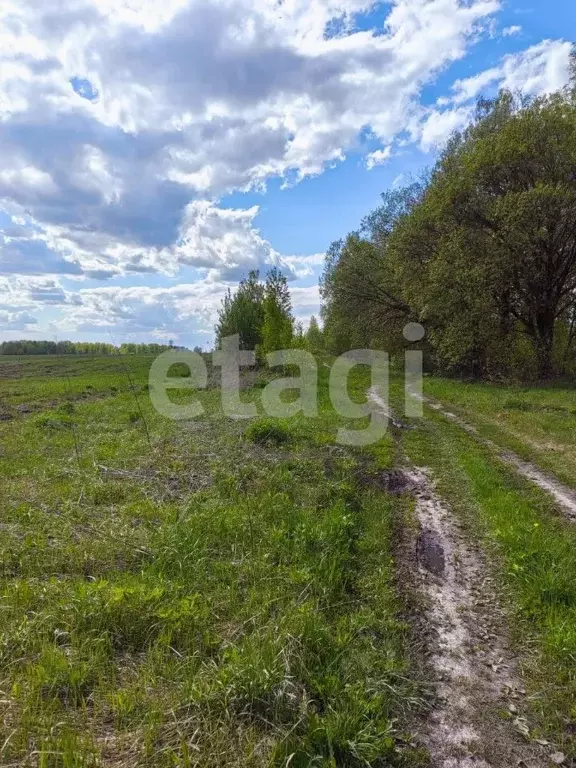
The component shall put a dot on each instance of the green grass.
(36, 382)
(221, 592)
(206, 598)
(532, 550)
(539, 423)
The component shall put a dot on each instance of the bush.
(268, 431)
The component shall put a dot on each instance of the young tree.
(242, 313)
(278, 325)
(314, 337)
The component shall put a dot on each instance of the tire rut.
(472, 669)
(564, 496)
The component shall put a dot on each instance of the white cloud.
(16, 321)
(175, 311)
(121, 120)
(124, 125)
(471, 87)
(224, 241)
(378, 157)
(511, 31)
(303, 266)
(434, 129)
(540, 69)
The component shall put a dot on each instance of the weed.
(268, 431)
(56, 421)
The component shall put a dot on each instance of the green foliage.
(30, 347)
(53, 421)
(242, 313)
(278, 325)
(259, 313)
(314, 339)
(268, 431)
(483, 252)
(363, 304)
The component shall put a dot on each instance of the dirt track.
(473, 672)
(564, 496)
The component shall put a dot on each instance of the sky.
(152, 152)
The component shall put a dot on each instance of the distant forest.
(25, 347)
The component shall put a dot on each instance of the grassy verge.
(539, 423)
(534, 551)
(216, 596)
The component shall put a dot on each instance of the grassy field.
(208, 593)
(230, 593)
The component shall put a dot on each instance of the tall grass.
(209, 601)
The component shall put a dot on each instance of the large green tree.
(483, 252)
(497, 227)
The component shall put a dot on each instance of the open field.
(221, 592)
(203, 599)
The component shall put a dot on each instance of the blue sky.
(153, 151)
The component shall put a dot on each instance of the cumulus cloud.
(124, 125)
(176, 311)
(122, 122)
(539, 70)
(378, 157)
(16, 321)
(434, 129)
(224, 241)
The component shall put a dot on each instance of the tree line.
(260, 312)
(28, 347)
(481, 250)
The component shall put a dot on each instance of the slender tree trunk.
(544, 343)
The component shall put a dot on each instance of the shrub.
(268, 431)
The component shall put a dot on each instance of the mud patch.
(392, 481)
(472, 667)
(430, 552)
